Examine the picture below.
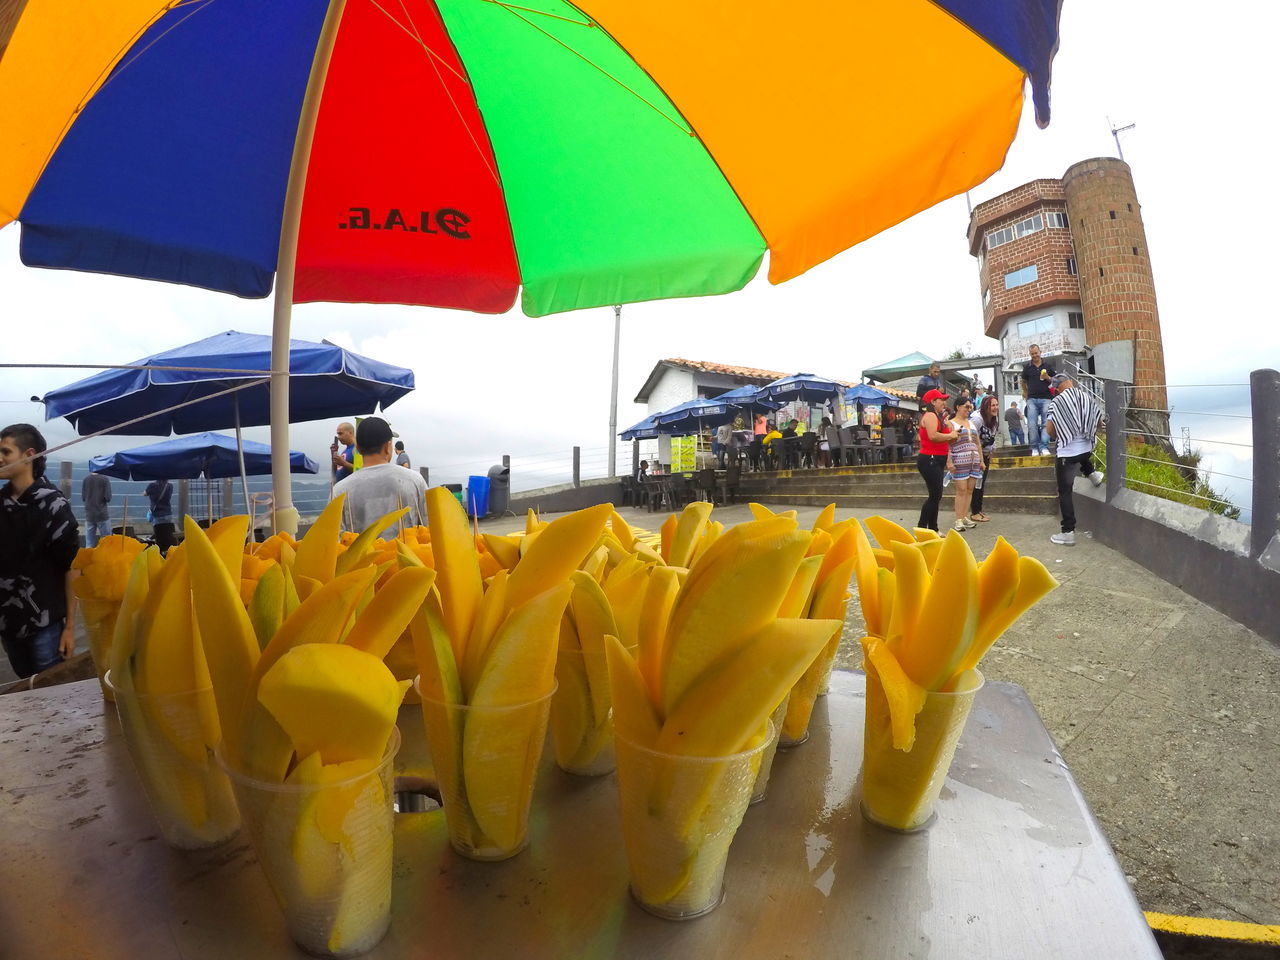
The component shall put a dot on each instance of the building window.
(986, 296)
(1071, 266)
(1135, 251)
(1075, 320)
(1020, 278)
(1033, 328)
(1113, 214)
(998, 238)
(1056, 219)
(1101, 272)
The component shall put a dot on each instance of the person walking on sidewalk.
(987, 424)
(1035, 391)
(964, 461)
(936, 438)
(1072, 421)
(95, 491)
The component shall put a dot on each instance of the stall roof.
(743, 375)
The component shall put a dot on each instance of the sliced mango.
(317, 555)
(520, 663)
(905, 697)
(558, 551)
(388, 614)
(457, 566)
(334, 699)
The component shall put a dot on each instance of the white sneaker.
(1097, 477)
(1064, 539)
(969, 524)
(959, 527)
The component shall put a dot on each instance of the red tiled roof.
(706, 366)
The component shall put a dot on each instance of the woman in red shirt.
(935, 439)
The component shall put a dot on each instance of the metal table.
(1014, 866)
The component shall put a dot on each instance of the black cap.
(373, 434)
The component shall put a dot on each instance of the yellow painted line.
(1268, 933)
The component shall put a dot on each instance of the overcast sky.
(1198, 82)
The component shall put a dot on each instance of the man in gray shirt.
(380, 486)
(95, 491)
(1013, 417)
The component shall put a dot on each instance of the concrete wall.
(565, 497)
(675, 386)
(1205, 555)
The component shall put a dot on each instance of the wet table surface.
(1014, 866)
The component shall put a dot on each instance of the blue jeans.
(36, 652)
(1017, 437)
(1037, 407)
(95, 529)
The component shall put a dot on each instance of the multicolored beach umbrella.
(602, 152)
(456, 153)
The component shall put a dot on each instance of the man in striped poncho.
(1072, 422)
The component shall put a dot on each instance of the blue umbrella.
(209, 455)
(646, 429)
(692, 415)
(325, 381)
(863, 393)
(801, 386)
(748, 398)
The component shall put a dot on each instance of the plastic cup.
(99, 618)
(583, 744)
(486, 762)
(900, 788)
(171, 739)
(327, 852)
(761, 788)
(795, 727)
(679, 817)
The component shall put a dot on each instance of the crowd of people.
(957, 439)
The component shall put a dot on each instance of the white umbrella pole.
(244, 476)
(285, 515)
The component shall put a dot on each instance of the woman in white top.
(964, 461)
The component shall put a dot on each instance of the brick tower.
(1117, 291)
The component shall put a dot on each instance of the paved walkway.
(1167, 712)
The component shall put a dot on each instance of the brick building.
(1063, 264)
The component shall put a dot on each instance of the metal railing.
(1221, 452)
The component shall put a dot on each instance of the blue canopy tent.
(864, 393)
(325, 381)
(747, 398)
(692, 415)
(208, 455)
(805, 387)
(222, 381)
(646, 429)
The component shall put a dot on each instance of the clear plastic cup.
(679, 817)
(99, 618)
(171, 738)
(795, 728)
(761, 788)
(486, 761)
(583, 743)
(900, 788)
(327, 852)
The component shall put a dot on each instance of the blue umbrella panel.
(805, 387)
(209, 455)
(325, 380)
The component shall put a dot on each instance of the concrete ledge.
(1203, 554)
(563, 497)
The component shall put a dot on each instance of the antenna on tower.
(1115, 133)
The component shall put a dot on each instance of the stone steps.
(1014, 485)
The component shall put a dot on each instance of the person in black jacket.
(39, 538)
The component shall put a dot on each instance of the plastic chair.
(705, 481)
(729, 484)
(835, 445)
(808, 448)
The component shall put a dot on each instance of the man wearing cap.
(380, 486)
(1072, 421)
(935, 438)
